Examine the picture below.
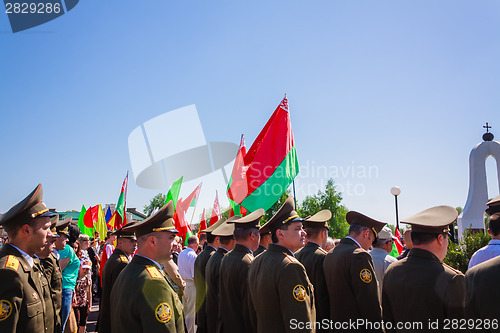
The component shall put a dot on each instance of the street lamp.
(395, 191)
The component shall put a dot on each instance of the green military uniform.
(212, 302)
(236, 312)
(350, 278)
(280, 290)
(200, 265)
(312, 257)
(23, 287)
(482, 292)
(112, 268)
(419, 288)
(142, 298)
(52, 272)
(49, 315)
(22, 305)
(261, 249)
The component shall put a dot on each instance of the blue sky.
(401, 88)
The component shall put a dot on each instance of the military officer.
(282, 295)
(126, 244)
(312, 256)
(143, 299)
(350, 275)
(200, 265)
(236, 313)
(22, 306)
(420, 288)
(265, 240)
(225, 233)
(493, 206)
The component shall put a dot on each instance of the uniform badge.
(12, 262)
(299, 292)
(35, 296)
(163, 313)
(365, 275)
(5, 309)
(123, 258)
(154, 272)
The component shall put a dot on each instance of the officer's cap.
(62, 227)
(214, 226)
(226, 228)
(127, 233)
(249, 221)
(285, 215)
(353, 217)
(435, 220)
(161, 221)
(53, 222)
(494, 202)
(29, 208)
(320, 219)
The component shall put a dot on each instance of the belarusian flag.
(397, 246)
(215, 211)
(121, 215)
(173, 193)
(269, 166)
(83, 228)
(203, 223)
(180, 220)
(237, 180)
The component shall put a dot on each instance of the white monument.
(473, 214)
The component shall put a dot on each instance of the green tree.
(158, 201)
(328, 199)
(458, 255)
(274, 208)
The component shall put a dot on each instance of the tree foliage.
(458, 255)
(158, 201)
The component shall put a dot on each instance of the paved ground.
(92, 318)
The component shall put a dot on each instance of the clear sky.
(397, 91)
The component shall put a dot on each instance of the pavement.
(92, 317)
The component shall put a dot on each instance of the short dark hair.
(274, 238)
(242, 234)
(494, 225)
(423, 238)
(225, 240)
(210, 238)
(313, 231)
(357, 229)
(74, 232)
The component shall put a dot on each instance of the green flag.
(173, 193)
(84, 229)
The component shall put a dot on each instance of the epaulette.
(289, 257)
(322, 250)
(123, 258)
(154, 272)
(250, 257)
(453, 269)
(12, 262)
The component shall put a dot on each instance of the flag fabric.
(100, 224)
(90, 216)
(236, 180)
(269, 166)
(121, 213)
(397, 246)
(108, 214)
(83, 228)
(113, 221)
(173, 193)
(215, 211)
(203, 223)
(180, 220)
(191, 199)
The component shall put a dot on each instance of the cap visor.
(48, 213)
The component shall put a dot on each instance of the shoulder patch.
(5, 309)
(12, 262)
(290, 258)
(163, 313)
(453, 269)
(249, 256)
(154, 272)
(299, 293)
(365, 275)
(123, 258)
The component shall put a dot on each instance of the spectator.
(380, 255)
(186, 269)
(408, 244)
(493, 248)
(330, 244)
(94, 258)
(82, 301)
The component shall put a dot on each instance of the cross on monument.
(487, 127)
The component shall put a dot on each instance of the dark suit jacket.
(281, 292)
(482, 292)
(21, 294)
(144, 301)
(420, 288)
(261, 249)
(200, 265)
(112, 268)
(212, 275)
(352, 284)
(236, 313)
(52, 272)
(312, 257)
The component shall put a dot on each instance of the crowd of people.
(238, 276)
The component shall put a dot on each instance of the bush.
(459, 255)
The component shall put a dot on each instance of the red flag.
(215, 211)
(399, 246)
(191, 199)
(203, 222)
(90, 216)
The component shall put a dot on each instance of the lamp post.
(395, 191)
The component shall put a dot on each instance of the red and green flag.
(269, 166)
(203, 223)
(215, 211)
(173, 193)
(236, 180)
(83, 228)
(397, 246)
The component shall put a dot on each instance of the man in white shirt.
(380, 255)
(186, 269)
(493, 248)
